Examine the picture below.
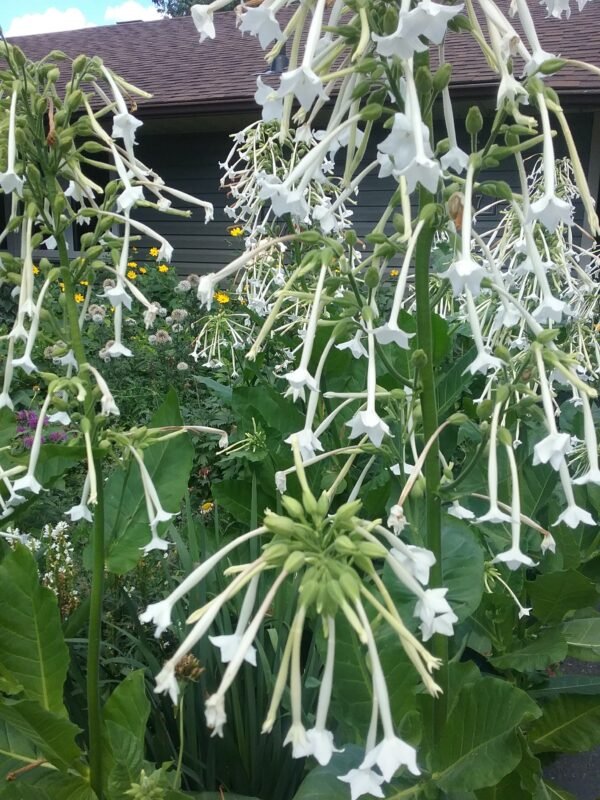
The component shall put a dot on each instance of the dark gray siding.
(190, 162)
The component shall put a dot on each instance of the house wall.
(189, 161)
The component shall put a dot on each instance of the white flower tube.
(28, 481)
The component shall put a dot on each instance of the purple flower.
(27, 442)
(57, 436)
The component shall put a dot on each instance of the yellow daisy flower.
(84, 283)
(78, 297)
(142, 270)
(221, 297)
(236, 231)
(154, 251)
(163, 268)
(36, 270)
(394, 273)
(132, 264)
(207, 507)
(132, 275)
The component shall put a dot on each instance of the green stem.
(97, 588)
(177, 777)
(431, 468)
(94, 642)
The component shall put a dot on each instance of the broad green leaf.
(8, 684)
(568, 684)
(126, 520)
(8, 426)
(50, 787)
(480, 744)
(536, 484)
(220, 389)
(441, 338)
(125, 716)
(549, 791)
(583, 636)
(462, 571)
(323, 783)
(555, 594)
(352, 686)
(32, 648)
(549, 648)
(510, 786)
(462, 566)
(128, 707)
(235, 496)
(53, 735)
(453, 382)
(16, 750)
(267, 403)
(570, 724)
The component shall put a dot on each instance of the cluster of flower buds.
(333, 557)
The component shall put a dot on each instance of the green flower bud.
(372, 278)
(429, 212)
(484, 409)
(74, 100)
(505, 437)
(458, 419)
(490, 162)
(276, 552)
(460, 23)
(294, 562)
(361, 89)
(18, 56)
(399, 223)
(309, 502)
(366, 65)
(441, 77)
(385, 251)
(423, 80)
(371, 112)
(419, 359)
(390, 20)
(344, 545)
(376, 237)
(547, 336)
(551, 65)
(535, 85)
(336, 595)
(474, 121)
(279, 524)
(293, 507)
(350, 584)
(499, 189)
(348, 510)
(79, 64)
(53, 74)
(309, 589)
(350, 237)
(372, 549)
(323, 505)
(418, 489)
(502, 352)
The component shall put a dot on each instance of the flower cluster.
(334, 555)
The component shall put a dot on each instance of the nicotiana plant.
(381, 522)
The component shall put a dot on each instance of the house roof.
(165, 58)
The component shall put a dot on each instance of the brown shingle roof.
(164, 58)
